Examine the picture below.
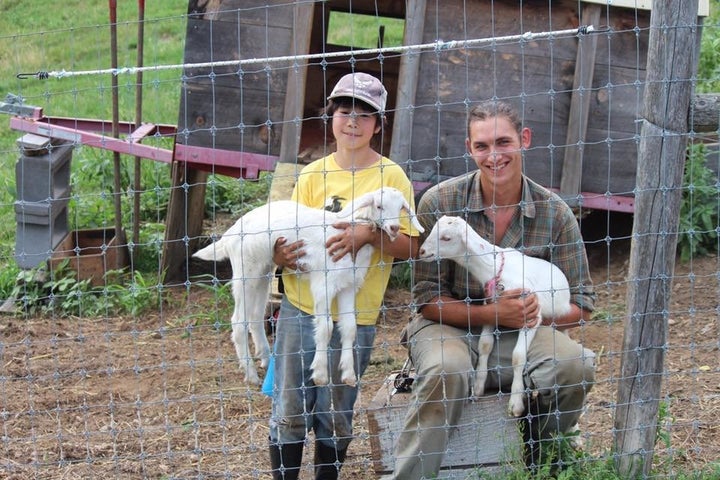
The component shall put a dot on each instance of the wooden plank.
(296, 81)
(390, 8)
(537, 76)
(286, 170)
(448, 80)
(703, 5)
(241, 11)
(234, 107)
(571, 177)
(241, 118)
(92, 253)
(228, 107)
(486, 438)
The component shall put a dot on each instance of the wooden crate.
(487, 438)
(84, 249)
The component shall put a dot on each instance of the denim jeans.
(298, 405)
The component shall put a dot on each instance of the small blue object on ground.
(269, 381)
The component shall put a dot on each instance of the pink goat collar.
(493, 287)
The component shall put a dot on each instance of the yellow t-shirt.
(323, 183)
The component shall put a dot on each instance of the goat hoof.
(319, 380)
(349, 380)
(516, 408)
(252, 378)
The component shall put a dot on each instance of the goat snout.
(425, 255)
(392, 230)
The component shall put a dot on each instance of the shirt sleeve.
(429, 284)
(571, 257)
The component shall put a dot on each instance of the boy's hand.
(287, 255)
(349, 240)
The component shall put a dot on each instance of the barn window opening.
(364, 31)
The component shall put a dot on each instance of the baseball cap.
(363, 87)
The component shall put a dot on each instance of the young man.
(509, 210)
(355, 107)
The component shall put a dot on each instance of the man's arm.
(514, 309)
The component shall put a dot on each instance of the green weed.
(222, 305)
(699, 208)
(60, 293)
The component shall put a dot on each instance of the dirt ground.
(160, 396)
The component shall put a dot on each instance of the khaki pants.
(559, 370)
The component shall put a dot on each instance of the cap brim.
(360, 98)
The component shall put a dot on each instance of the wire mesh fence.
(134, 374)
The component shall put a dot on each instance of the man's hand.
(287, 255)
(517, 308)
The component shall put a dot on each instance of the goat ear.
(416, 223)
(360, 202)
(413, 217)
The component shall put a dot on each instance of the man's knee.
(588, 360)
(561, 360)
(446, 365)
(443, 372)
(576, 371)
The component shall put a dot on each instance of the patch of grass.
(219, 313)
(709, 63)
(40, 292)
(609, 316)
(362, 31)
(236, 196)
(401, 275)
(75, 36)
(699, 216)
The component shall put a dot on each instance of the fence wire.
(134, 374)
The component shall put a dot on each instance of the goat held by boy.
(249, 245)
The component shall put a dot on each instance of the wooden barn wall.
(228, 107)
(537, 76)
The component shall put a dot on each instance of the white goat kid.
(249, 245)
(452, 238)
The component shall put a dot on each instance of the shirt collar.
(475, 203)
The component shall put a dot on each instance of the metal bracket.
(14, 105)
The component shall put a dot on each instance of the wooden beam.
(671, 63)
(571, 178)
(705, 113)
(407, 83)
(184, 220)
(703, 5)
(283, 181)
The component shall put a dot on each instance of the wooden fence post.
(671, 63)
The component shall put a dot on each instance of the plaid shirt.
(547, 229)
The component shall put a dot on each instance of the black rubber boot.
(328, 461)
(285, 460)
